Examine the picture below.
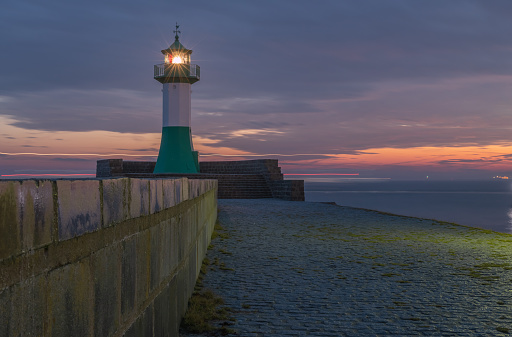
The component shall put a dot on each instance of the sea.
(485, 204)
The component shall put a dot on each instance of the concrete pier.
(312, 269)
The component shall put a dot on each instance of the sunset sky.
(398, 88)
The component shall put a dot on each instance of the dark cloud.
(42, 146)
(71, 159)
(459, 161)
(151, 149)
(266, 124)
(84, 110)
(258, 48)
(336, 76)
(485, 160)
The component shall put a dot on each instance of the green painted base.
(176, 151)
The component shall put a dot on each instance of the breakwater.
(243, 179)
(103, 257)
(314, 269)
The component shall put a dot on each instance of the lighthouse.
(176, 153)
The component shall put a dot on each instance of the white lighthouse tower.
(177, 153)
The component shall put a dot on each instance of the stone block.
(194, 221)
(174, 315)
(156, 256)
(181, 237)
(5, 313)
(194, 268)
(106, 264)
(174, 245)
(182, 284)
(143, 248)
(70, 301)
(193, 188)
(186, 221)
(35, 212)
(184, 190)
(128, 277)
(78, 207)
(181, 190)
(10, 231)
(115, 201)
(139, 197)
(169, 192)
(28, 307)
(109, 168)
(143, 326)
(26, 214)
(166, 249)
(178, 187)
(156, 196)
(162, 314)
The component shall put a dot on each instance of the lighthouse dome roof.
(176, 46)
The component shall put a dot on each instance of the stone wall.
(268, 168)
(237, 179)
(108, 257)
(107, 168)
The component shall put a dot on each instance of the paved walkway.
(312, 269)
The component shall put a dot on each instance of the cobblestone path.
(312, 269)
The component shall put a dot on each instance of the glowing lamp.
(177, 59)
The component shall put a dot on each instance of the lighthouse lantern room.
(176, 153)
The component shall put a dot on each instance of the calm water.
(484, 204)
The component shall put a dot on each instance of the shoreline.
(480, 204)
(411, 216)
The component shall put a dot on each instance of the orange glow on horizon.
(45, 150)
(480, 157)
(321, 174)
(47, 175)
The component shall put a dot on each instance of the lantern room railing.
(177, 71)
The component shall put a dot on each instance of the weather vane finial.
(177, 31)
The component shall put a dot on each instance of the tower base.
(176, 153)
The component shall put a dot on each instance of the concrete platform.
(312, 269)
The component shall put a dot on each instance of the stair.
(243, 186)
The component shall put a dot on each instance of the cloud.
(298, 49)
(85, 110)
(465, 161)
(42, 146)
(69, 159)
(329, 78)
(150, 149)
(253, 132)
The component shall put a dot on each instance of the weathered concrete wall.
(235, 178)
(108, 257)
(269, 168)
